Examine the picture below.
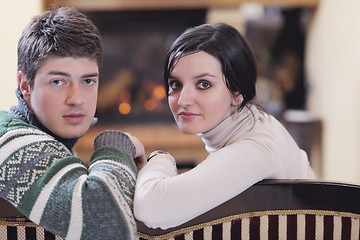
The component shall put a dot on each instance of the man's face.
(64, 95)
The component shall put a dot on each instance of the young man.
(59, 56)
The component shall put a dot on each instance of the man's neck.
(22, 112)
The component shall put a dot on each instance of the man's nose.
(74, 95)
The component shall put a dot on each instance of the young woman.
(210, 76)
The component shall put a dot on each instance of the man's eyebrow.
(90, 75)
(68, 75)
(58, 73)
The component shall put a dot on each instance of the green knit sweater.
(54, 189)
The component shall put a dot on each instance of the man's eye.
(89, 81)
(204, 85)
(57, 82)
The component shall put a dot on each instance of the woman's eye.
(204, 85)
(174, 85)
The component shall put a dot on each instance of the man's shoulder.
(9, 122)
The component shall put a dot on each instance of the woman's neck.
(238, 123)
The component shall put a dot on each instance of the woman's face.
(198, 97)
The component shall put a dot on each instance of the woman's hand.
(140, 158)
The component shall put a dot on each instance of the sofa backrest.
(276, 209)
(271, 209)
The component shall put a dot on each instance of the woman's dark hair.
(226, 44)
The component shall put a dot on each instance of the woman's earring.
(237, 105)
(235, 114)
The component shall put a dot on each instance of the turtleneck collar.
(222, 134)
(22, 112)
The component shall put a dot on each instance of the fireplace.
(135, 44)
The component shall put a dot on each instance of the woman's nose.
(186, 97)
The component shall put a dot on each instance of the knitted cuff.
(116, 139)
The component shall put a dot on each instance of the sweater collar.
(22, 112)
(223, 133)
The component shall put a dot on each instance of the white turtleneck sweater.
(242, 152)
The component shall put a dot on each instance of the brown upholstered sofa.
(271, 209)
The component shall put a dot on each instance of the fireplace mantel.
(110, 5)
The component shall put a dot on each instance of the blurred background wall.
(309, 61)
(14, 15)
(333, 63)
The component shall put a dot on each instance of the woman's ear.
(24, 85)
(238, 99)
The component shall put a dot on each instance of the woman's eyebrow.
(172, 77)
(196, 76)
(204, 75)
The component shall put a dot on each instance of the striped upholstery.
(291, 224)
(284, 224)
(21, 228)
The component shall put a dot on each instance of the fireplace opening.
(135, 44)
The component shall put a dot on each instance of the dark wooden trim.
(280, 195)
(111, 5)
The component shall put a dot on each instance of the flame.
(124, 108)
(150, 104)
(159, 92)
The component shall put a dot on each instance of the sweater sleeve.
(45, 182)
(165, 199)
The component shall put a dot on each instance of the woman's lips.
(188, 115)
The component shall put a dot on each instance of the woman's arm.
(165, 199)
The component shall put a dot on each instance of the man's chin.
(72, 133)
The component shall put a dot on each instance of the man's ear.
(24, 85)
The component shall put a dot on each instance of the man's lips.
(74, 117)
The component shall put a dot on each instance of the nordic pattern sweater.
(54, 189)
